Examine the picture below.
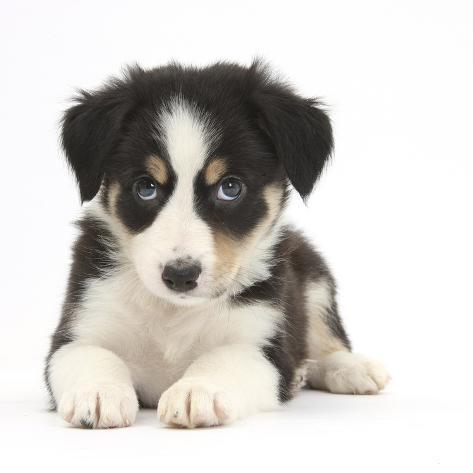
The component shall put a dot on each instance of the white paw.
(193, 402)
(348, 373)
(101, 407)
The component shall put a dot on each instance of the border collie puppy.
(187, 291)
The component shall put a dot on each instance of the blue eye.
(230, 189)
(146, 188)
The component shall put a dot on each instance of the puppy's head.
(193, 167)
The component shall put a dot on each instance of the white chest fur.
(157, 340)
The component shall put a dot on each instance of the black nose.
(181, 275)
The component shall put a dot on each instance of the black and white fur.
(260, 320)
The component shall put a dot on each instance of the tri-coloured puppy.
(187, 291)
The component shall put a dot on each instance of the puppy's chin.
(184, 300)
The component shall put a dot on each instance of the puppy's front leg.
(222, 385)
(92, 387)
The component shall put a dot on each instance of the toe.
(379, 374)
(202, 413)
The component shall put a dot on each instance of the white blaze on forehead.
(188, 134)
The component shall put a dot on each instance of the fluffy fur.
(187, 292)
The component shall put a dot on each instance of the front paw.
(195, 402)
(100, 407)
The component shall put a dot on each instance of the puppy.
(187, 291)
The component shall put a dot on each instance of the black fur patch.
(92, 257)
(87, 423)
(296, 264)
(135, 213)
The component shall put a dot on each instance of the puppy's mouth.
(194, 296)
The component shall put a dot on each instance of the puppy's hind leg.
(332, 366)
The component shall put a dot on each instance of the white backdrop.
(392, 214)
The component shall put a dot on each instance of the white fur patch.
(188, 135)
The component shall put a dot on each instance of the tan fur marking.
(327, 343)
(157, 169)
(113, 193)
(272, 195)
(227, 250)
(230, 251)
(214, 171)
(321, 342)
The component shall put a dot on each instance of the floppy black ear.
(300, 132)
(90, 130)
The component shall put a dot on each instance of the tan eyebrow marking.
(214, 171)
(157, 169)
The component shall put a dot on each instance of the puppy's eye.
(146, 188)
(230, 189)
